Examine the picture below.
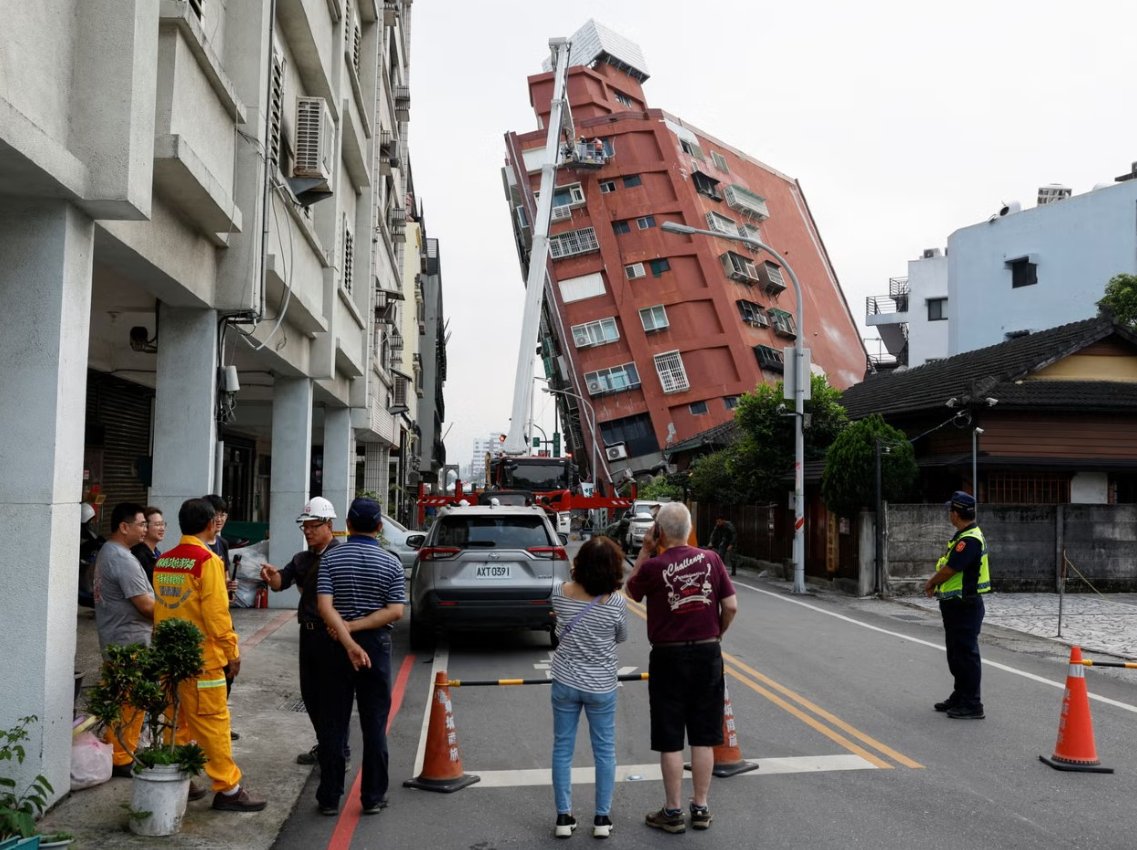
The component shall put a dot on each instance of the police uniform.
(961, 607)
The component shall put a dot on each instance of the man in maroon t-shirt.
(690, 603)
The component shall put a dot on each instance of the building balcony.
(403, 103)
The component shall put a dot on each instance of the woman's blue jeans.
(601, 712)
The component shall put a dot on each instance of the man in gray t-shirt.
(124, 604)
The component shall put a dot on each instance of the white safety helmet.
(317, 508)
(495, 502)
(86, 512)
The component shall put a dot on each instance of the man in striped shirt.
(361, 593)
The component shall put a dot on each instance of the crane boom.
(560, 118)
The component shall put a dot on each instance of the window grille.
(573, 242)
(672, 376)
(348, 257)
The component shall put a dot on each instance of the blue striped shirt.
(586, 657)
(361, 577)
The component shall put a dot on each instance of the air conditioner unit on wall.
(315, 139)
(561, 213)
(594, 387)
(616, 452)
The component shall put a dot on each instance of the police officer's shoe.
(943, 706)
(960, 713)
(242, 801)
(310, 757)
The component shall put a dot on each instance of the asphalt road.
(832, 697)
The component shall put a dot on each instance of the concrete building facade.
(189, 187)
(657, 334)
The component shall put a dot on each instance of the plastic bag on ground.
(91, 761)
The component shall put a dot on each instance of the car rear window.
(514, 532)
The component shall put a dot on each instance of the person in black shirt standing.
(316, 523)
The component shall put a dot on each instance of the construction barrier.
(472, 683)
(728, 755)
(442, 763)
(1075, 749)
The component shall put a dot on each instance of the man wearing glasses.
(124, 606)
(147, 551)
(315, 522)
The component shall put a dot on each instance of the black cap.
(365, 515)
(961, 501)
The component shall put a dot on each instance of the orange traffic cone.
(442, 763)
(1075, 749)
(728, 756)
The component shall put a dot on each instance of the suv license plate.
(491, 571)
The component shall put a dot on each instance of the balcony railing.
(876, 305)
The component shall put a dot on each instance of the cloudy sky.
(903, 121)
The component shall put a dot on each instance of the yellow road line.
(741, 674)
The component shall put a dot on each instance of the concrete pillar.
(339, 458)
(291, 464)
(45, 285)
(185, 431)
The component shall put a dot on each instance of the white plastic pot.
(162, 792)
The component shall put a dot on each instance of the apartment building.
(659, 334)
(204, 229)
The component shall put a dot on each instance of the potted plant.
(146, 678)
(19, 810)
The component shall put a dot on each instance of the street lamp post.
(799, 391)
(975, 432)
(592, 426)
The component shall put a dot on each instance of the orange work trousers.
(203, 716)
(132, 728)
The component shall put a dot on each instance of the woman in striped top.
(590, 622)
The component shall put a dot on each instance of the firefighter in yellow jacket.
(190, 584)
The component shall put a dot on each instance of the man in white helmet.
(315, 522)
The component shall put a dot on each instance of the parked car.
(402, 543)
(486, 568)
(639, 521)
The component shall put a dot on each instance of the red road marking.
(353, 809)
(268, 628)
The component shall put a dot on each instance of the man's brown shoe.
(242, 801)
(196, 792)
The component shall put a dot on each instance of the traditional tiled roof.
(999, 371)
(714, 438)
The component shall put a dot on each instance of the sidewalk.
(267, 713)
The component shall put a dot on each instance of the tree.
(764, 452)
(1120, 300)
(849, 480)
(713, 478)
(662, 487)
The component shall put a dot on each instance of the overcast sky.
(903, 121)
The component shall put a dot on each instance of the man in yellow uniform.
(190, 584)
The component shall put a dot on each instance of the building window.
(635, 432)
(613, 379)
(599, 332)
(752, 313)
(769, 358)
(692, 149)
(607, 186)
(658, 267)
(634, 270)
(621, 227)
(579, 288)
(730, 402)
(276, 105)
(720, 161)
(399, 396)
(1023, 272)
(566, 196)
(783, 323)
(623, 99)
(348, 256)
(1027, 488)
(644, 222)
(737, 267)
(722, 224)
(707, 185)
(937, 309)
(631, 181)
(669, 367)
(573, 242)
(698, 408)
(653, 318)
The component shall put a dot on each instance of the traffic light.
(536, 442)
(556, 444)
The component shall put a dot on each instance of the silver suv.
(486, 568)
(640, 520)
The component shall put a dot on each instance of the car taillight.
(438, 553)
(553, 553)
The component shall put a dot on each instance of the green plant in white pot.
(146, 678)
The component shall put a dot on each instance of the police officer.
(961, 579)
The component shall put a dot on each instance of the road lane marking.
(840, 740)
(884, 749)
(938, 647)
(651, 772)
